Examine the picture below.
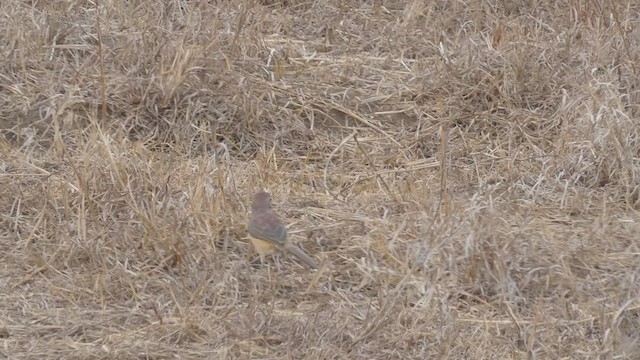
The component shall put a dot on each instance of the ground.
(466, 173)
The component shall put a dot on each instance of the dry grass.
(467, 173)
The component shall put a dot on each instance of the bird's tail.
(297, 252)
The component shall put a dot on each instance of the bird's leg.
(262, 259)
(276, 258)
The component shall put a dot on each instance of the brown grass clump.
(467, 174)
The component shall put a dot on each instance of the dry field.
(467, 173)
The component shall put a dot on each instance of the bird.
(268, 233)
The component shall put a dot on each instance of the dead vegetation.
(466, 173)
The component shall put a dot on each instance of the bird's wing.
(268, 227)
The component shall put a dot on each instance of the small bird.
(268, 233)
